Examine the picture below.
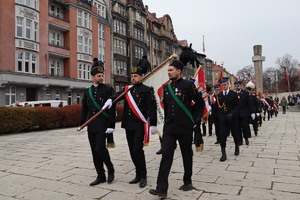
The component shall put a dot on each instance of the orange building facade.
(47, 48)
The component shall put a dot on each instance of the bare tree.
(246, 73)
(269, 80)
(288, 73)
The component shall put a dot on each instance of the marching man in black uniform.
(245, 108)
(226, 114)
(180, 119)
(102, 127)
(255, 102)
(139, 118)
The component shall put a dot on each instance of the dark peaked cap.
(177, 64)
(97, 67)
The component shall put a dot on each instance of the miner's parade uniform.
(180, 119)
(214, 109)
(226, 114)
(100, 130)
(139, 119)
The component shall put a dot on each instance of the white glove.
(107, 104)
(253, 116)
(109, 130)
(153, 130)
(257, 114)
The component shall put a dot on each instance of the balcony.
(58, 24)
(59, 51)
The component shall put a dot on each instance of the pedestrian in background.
(283, 104)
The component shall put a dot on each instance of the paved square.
(57, 164)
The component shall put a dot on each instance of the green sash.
(184, 108)
(95, 103)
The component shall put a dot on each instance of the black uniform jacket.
(101, 93)
(255, 103)
(144, 98)
(245, 105)
(176, 120)
(226, 104)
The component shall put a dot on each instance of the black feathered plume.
(188, 55)
(144, 64)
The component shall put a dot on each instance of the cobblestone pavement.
(57, 164)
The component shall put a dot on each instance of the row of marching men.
(232, 112)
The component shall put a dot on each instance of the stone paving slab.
(57, 164)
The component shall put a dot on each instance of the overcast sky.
(232, 27)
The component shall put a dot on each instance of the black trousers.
(135, 140)
(225, 127)
(169, 146)
(100, 153)
(217, 129)
(243, 127)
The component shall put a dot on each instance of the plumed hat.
(97, 67)
(250, 85)
(177, 64)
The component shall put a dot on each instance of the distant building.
(47, 48)
(217, 69)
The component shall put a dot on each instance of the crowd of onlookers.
(293, 99)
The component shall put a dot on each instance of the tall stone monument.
(258, 67)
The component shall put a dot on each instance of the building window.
(70, 98)
(57, 94)
(156, 44)
(119, 47)
(27, 62)
(84, 71)
(84, 19)
(84, 45)
(10, 95)
(122, 10)
(138, 16)
(78, 98)
(119, 27)
(56, 11)
(56, 67)
(56, 38)
(29, 3)
(101, 42)
(139, 34)
(138, 52)
(120, 67)
(26, 28)
(101, 8)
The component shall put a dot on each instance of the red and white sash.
(135, 109)
(266, 103)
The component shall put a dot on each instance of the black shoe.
(159, 151)
(204, 134)
(246, 141)
(186, 187)
(98, 181)
(158, 193)
(217, 142)
(110, 178)
(210, 135)
(135, 180)
(241, 143)
(143, 182)
(237, 150)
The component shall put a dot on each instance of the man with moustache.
(102, 128)
(180, 119)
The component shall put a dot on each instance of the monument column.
(258, 67)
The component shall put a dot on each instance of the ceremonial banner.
(200, 84)
(157, 78)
